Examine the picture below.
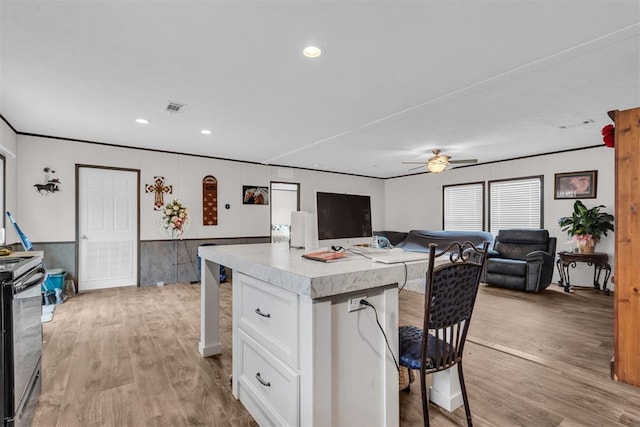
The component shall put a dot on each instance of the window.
(463, 207)
(515, 203)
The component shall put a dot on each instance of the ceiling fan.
(439, 162)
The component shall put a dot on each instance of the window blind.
(464, 207)
(515, 204)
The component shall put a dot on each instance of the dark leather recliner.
(521, 259)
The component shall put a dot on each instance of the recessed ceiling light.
(312, 51)
(205, 132)
(142, 121)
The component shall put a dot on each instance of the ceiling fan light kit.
(439, 162)
(437, 165)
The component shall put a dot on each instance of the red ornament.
(608, 133)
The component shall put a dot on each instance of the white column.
(445, 389)
(390, 324)
(209, 308)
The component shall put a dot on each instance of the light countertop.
(284, 267)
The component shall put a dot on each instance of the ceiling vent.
(174, 107)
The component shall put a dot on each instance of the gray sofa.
(419, 240)
(520, 259)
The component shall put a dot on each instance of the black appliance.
(21, 352)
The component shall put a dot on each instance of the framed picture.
(254, 195)
(576, 185)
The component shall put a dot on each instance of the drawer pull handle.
(262, 314)
(261, 381)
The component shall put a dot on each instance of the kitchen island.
(300, 357)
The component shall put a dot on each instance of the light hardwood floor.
(128, 357)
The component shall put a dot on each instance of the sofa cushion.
(523, 235)
(419, 240)
(410, 338)
(517, 243)
(510, 267)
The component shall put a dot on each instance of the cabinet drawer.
(270, 316)
(267, 387)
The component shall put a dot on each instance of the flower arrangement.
(175, 219)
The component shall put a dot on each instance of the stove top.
(14, 267)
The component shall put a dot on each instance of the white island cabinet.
(299, 356)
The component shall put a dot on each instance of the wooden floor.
(128, 357)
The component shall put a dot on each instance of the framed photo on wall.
(576, 185)
(255, 195)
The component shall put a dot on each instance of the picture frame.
(255, 195)
(576, 185)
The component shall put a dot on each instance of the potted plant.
(587, 226)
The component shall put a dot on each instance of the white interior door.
(107, 228)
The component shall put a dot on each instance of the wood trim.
(187, 154)
(287, 166)
(627, 249)
(550, 153)
(9, 124)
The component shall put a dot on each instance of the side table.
(599, 260)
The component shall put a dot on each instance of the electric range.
(21, 334)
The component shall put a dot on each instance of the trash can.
(53, 286)
(223, 273)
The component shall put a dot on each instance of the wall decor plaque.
(209, 200)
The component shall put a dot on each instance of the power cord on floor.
(368, 304)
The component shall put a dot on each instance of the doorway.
(285, 198)
(107, 230)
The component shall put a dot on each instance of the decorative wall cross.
(209, 200)
(159, 188)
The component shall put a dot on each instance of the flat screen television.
(343, 219)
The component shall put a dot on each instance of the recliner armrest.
(492, 253)
(541, 256)
(539, 270)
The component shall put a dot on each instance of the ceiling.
(478, 79)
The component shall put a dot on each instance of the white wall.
(401, 204)
(416, 202)
(51, 218)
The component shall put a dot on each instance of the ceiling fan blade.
(463, 161)
(414, 163)
(418, 167)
